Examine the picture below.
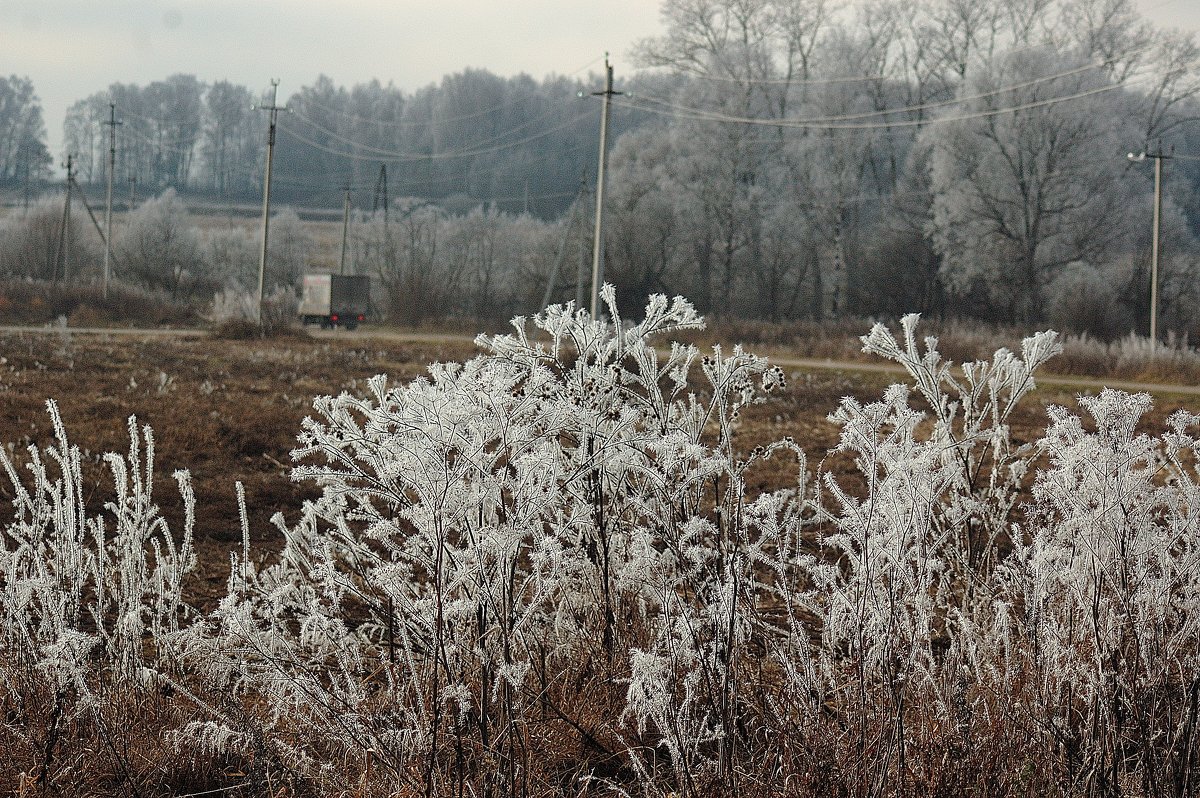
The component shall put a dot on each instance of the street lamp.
(1157, 228)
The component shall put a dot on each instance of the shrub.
(30, 243)
(161, 250)
(234, 315)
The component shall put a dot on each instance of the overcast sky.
(74, 48)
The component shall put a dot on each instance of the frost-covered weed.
(1101, 597)
(491, 527)
(88, 598)
(555, 542)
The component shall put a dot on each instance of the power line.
(400, 154)
(702, 116)
(414, 157)
(132, 132)
(907, 108)
(400, 123)
(695, 73)
(307, 101)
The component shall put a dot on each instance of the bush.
(31, 243)
(160, 249)
(234, 315)
(1085, 299)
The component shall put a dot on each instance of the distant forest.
(778, 160)
(474, 138)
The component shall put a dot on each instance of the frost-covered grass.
(544, 571)
(1132, 357)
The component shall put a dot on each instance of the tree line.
(966, 157)
(24, 156)
(773, 159)
(515, 143)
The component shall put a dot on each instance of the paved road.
(1048, 379)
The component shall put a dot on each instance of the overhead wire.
(912, 108)
(695, 73)
(401, 123)
(394, 153)
(640, 103)
(496, 170)
(131, 133)
(399, 157)
(512, 103)
(701, 115)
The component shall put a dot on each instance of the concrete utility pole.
(132, 192)
(1156, 233)
(598, 240)
(274, 109)
(345, 227)
(581, 273)
(112, 165)
(64, 232)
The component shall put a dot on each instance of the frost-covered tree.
(232, 257)
(31, 243)
(161, 249)
(231, 138)
(1018, 195)
(289, 250)
(23, 153)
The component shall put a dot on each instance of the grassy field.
(229, 412)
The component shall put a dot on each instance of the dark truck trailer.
(335, 300)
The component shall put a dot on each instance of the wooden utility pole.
(112, 165)
(598, 240)
(274, 110)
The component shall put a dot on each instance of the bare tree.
(1018, 195)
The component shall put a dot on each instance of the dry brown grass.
(84, 305)
(229, 410)
(1131, 358)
